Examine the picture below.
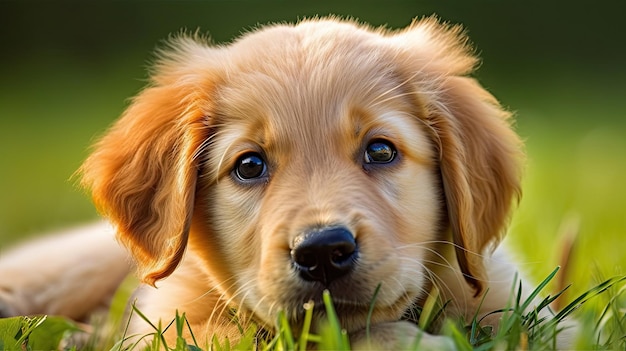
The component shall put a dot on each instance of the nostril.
(324, 254)
(342, 252)
(305, 258)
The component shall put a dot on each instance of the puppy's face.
(318, 156)
(332, 153)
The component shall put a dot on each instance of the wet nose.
(323, 255)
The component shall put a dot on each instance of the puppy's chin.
(352, 315)
(352, 298)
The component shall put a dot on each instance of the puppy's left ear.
(142, 173)
(480, 156)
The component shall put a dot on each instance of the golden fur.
(310, 98)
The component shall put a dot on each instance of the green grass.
(522, 326)
(573, 189)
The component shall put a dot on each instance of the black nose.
(325, 254)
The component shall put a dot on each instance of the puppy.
(325, 155)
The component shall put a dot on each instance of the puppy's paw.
(401, 335)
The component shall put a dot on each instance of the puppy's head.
(318, 156)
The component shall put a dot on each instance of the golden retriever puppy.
(325, 155)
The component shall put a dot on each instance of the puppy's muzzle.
(324, 255)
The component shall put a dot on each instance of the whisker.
(435, 279)
(456, 246)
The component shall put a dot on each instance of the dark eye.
(250, 166)
(379, 151)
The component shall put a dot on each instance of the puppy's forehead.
(304, 84)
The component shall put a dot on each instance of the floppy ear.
(480, 168)
(480, 155)
(142, 173)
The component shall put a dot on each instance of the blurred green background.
(67, 70)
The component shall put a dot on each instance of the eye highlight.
(250, 166)
(379, 151)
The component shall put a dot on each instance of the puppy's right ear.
(142, 173)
